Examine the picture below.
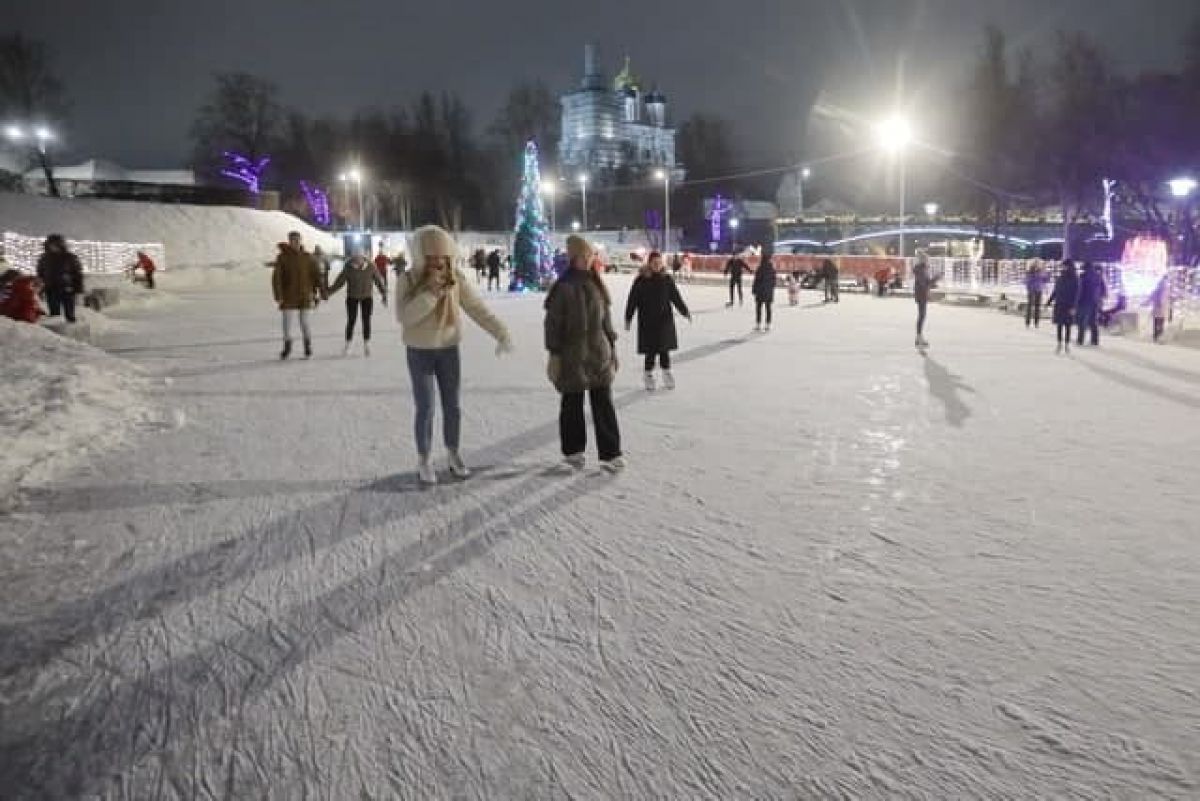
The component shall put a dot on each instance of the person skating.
(1092, 292)
(296, 284)
(583, 359)
(763, 290)
(734, 268)
(148, 268)
(381, 266)
(479, 264)
(923, 283)
(493, 268)
(651, 298)
(359, 278)
(1035, 287)
(829, 271)
(1160, 306)
(676, 266)
(61, 275)
(1064, 299)
(430, 301)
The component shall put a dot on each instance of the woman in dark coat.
(651, 297)
(1065, 300)
(764, 291)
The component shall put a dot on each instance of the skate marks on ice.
(1140, 385)
(130, 719)
(947, 388)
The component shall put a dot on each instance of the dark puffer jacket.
(579, 333)
(60, 270)
(764, 281)
(651, 298)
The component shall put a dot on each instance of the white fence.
(22, 252)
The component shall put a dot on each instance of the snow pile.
(60, 399)
(192, 235)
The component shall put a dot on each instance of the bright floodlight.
(660, 175)
(343, 177)
(44, 134)
(355, 175)
(931, 209)
(734, 222)
(548, 188)
(575, 225)
(14, 133)
(894, 134)
(806, 173)
(1182, 187)
(583, 179)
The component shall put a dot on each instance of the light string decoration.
(246, 172)
(318, 201)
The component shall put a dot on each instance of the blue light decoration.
(720, 207)
(244, 171)
(532, 258)
(318, 201)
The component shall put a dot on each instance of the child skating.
(652, 298)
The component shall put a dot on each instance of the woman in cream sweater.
(430, 301)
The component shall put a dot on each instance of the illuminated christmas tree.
(532, 258)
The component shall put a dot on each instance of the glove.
(504, 347)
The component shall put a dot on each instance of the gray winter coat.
(579, 333)
(358, 279)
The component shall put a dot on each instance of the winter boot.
(366, 348)
(668, 379)
(425, 471)
(648, 379)
(575, 461)
(458, 468)
(308, 348)
(346, 348)
(287, 349)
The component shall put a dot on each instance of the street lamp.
(1183, 187)
(931, 209)
(894, 135)
(575, 226)
(548, 189)
(356, 176)
(665, 177)
(802, 176)
(42, 135)
(583, 182)
(734, 224)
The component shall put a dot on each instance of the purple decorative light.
(244, 171)
(720, 207)
(318, 202)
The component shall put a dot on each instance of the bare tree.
(30, 91)
(242, 116)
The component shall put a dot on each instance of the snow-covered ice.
(832, 569)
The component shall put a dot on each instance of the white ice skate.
(366, 349)
(668, 379)
(425, 472)
(576, 461)
(458, 468)
(648, 380)
(614, 465)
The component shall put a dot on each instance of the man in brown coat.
(296, 283)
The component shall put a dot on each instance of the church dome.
(626, 80)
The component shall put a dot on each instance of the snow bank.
(59, 400)
(192, 235)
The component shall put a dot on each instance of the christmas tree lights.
(533, 261)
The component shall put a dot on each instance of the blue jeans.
(424, 367)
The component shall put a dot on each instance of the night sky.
(136, 70)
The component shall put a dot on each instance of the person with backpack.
(360, 279)
(580, 339)
(61, 275)
(652, 298)
(431, 299)
(763, 290)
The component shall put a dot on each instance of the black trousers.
(759, 305)
(1089, 320)
(1033, 308)
(352, 307)
(493, 276)
(922, 309)
(735, 283)
(831, 291)
(1064, 333)
(664, 359)
(61, 302)
(572, 428)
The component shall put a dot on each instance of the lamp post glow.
(1183, 187)
(583, 182)
(356, 176)
(734, 224)
(575, 226)
(665, 177)
(894, 135)
(42, 135)
(549, 190)
(802, 176)
(931, 209)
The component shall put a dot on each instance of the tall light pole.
(734, 223)
(357, 176)
(802, 175)
(345, 179)
(42, 136)
(548, 189)
(583, 182)
(895, 135)
(665, 177)
(1181, 190)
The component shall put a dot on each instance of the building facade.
(610, 127)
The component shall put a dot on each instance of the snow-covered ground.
(833, 569)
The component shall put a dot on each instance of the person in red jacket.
(146, 265)
(381, 267)
(18, 297)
